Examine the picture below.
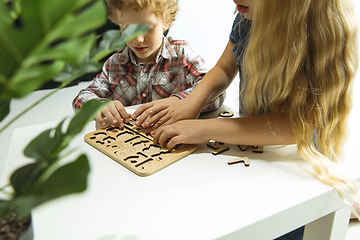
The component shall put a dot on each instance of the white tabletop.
(198, 197)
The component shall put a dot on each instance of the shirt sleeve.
(98, 89)
(235, 30)
(196, 70)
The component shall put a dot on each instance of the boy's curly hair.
(164, 9)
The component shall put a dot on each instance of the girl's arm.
(213, 84)
(267, 129)
(216, 80)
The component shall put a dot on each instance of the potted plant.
(41, 40)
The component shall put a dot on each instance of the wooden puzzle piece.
(244, 160)
(243, 147)
(134, 149)
(220, 150)
(226, 113)
(256, 149)
(214, 145)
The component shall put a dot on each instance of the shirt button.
(144, 94)
(122, 82)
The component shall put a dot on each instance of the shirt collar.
(166, 51)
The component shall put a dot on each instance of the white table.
(198, 197)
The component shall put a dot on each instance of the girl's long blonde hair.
(301, 58)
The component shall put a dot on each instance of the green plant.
(52, 40)
(42, 40)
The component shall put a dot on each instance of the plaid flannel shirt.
(176, 71)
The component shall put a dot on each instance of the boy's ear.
(166, 26)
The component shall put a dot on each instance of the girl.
(296, 61)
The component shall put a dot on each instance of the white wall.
(355, 113)
(206, 24)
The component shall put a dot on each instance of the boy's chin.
(144, 58)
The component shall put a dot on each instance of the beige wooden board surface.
(134, 149)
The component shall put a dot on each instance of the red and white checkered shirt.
(176, 70)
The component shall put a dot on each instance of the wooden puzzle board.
(134, 149)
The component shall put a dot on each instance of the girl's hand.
(186, 131)
(115, 113)
(149, 113)
(164, 113)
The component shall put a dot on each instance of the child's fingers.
(157, 134)
(143, 117)
(162, 121)
(129, 115)
(115, 113)
(151, 119)
(151, 115)
(100, 119)
(112, 115)
(140, 119)
(177, 136)
(173, 142)
(122, 112)
(163, 134)
(157, 108)
(141, 109)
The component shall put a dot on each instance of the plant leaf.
(130, 32)
(49, 143)
(113, 40)
(40, 147)
(70, 178)
(57, 29)
(4, 108)
(23, 178)
(22, 205)
(71, 73)
(80, 18)
(84, 115)
(64, 51)
(29, 79)
(5, 207)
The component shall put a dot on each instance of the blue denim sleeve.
(235, 30)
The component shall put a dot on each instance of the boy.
(150, 68)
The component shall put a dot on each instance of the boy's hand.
(115, 113)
